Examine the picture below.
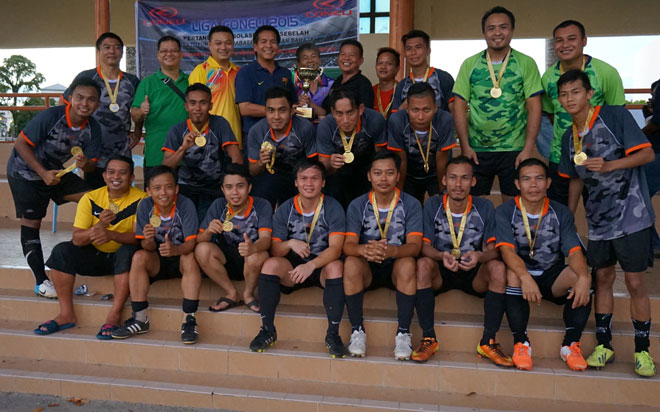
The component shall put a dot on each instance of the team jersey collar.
(248, 209)
(98, 70)
(546, 205)
(426, 76)
(67, 115)
(397, 193)
(286, 134)
(445, 199)
(173, 208)
(212, 63)
(296, 204)
(204, 132)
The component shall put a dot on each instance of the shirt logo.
(260, 83)
(285, 80)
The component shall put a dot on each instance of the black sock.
(425, 305)
(494, 306)
(604, 329)
(269, 298)
(405, 305)
(354, 305)
(333, 300)
(517, 313)
(189, 306)
(642, 330)
(33, 253)
(575, 320)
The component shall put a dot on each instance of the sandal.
(230, 304)
(52, 327)
(108, 327)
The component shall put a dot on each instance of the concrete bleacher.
(297, 372)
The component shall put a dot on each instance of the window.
(374, 16)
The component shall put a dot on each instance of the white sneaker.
(47, 290)
(402, 346)
(358, 344)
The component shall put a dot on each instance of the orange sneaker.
(493, 351)
(522, 356)
(572, 355)
(427, 349)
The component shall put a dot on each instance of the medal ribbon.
(229, 216)
(348, 145)
(456, 240)
(425, 158)
(528, 233)
(315, 219)
(429, 70)
(112, 94)
(577, 140)
(496, 83)
(380, 103)
(194, 129)
(390, 211)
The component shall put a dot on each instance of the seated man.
(167, 229)
(383, 238)
(275, 145)
(201, 146)
(308, 233)
(234, 239)
(534, 234)
(103, 244)
(346, 142)
(459, 253)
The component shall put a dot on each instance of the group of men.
(363, 198)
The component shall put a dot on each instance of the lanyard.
(456, 240)
(425, 158)
(530, 240)
(315, 219)
(390, 211)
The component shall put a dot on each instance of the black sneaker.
(335, 346)
(189, 332)
(131, 327)
(263, 340)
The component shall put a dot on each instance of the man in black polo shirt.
(351, 57)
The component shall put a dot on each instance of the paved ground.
(20, 402)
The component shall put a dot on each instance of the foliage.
(19, 74)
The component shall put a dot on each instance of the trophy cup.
(307, 75)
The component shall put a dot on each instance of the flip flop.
(253, 304)
(52, 327)
(108, 327)
(230, 304)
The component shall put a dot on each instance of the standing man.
(388, 61)
(218, 72)
(652, 132)
(569, 41)
(503, 88)
(346, 142)
(35, 165)
(256, 78)
(309, 55)
(166, 228)
(114, 112)
(351, 57)
(534, 235)
(383, 238)
(103, 244)
(275, 146)
(201, 146)
(604, 151)
(234, 239)
(308, 234)
(159, 101)
(422, 136)
(417, 50)
(459, 253)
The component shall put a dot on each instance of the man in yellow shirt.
(103, 244)
(219, 74)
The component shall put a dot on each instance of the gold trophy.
(307, 75)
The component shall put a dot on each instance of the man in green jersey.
(569, 41)
(503, 88)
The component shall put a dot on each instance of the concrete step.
(301, 362)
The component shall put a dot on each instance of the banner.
(324, 22)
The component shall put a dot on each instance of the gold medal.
(114, 107)
(113, 207)
(227, 226)
(70, 168)
(76, 150)
(531, 254)
(456, 238)
(267, 146)
(495, 92)
(456, 253)
(425, 157)
(155, 221)
(390, 212)
(349, 157)
(200, 141)
(112, 94)
(426, 167)
(580, 158)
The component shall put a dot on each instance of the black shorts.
(545, 281)
(235, 262)
(89, 261)
(31, 197)
(313, 280)
(491, 164)
(419, 186)
(633, 252)
(169, 269)
(381, 275)
(460, 280)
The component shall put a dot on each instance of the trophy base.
(305, 112)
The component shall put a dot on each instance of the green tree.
(19, 74)
(23, 117)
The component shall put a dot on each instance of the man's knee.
(512, 279)
(605, 277)
(497, 278)
(424, 272)
(635, 285)
(404, 271)
(333, 270)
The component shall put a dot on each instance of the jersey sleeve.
(430, 209)
(189, 220)
(140, 92)
(446, 134)
(503, 231)
(566, 166)
(414, 225)
(280, 223)
(488, 213)
(84, 218)
(309, 138)
(380, 131)
(396, 97)
(446, 86)
(142, 217)
(570, 242)
(633, 137)
(354, 218)
(395, 139)
(253, 144)
(224, 132)
(546, 102)
(336, 217)
(38, 127)
(612, 86)
(265, 213)
(462, 86)
(243, 86)
(531, 78)
(324, 133)
(173, 140)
